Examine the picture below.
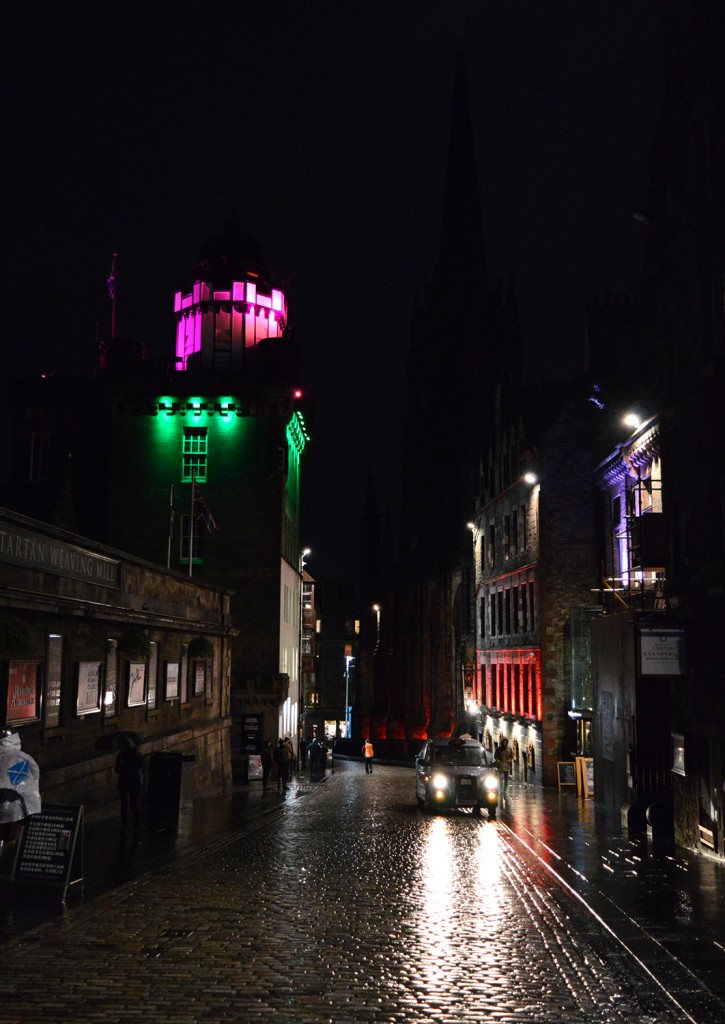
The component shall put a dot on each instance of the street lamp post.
(300, 684)
(348, 659)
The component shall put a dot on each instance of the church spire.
(462, 246)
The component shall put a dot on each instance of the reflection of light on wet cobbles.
(349, 906)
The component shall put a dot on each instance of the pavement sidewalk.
(666, 905)
(107, 857)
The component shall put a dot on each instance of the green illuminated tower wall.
(248, 473)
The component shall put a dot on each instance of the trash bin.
(164, 789)
(188, 780)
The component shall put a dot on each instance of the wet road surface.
(341, 903)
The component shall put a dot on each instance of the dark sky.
(140, 128)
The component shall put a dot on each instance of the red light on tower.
(297, 393)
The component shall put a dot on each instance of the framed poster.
(153, 670)
(199, 678)
(23, 692)
(53, 681)
(172, 680)
(88, 701)
(136, 683)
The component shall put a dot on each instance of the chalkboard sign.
(567, 773)
(47, 845)
(585, 776)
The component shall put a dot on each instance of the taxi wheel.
(420, 801)
(492, 814)
(476, 812)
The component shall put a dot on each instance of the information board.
(585, 776)
(252, 734)
(47, 845)
(567, 773)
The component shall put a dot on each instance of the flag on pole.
(171, 512)
(111, 280)
(201, 511)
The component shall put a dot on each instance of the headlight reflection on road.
(490, 897)
(439, 896)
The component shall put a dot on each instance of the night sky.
(324, 127)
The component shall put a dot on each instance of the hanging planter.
(15, 639)
(201, 648)
(134, 644)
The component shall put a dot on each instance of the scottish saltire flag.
(111, 280)
(201, 511)
(18, 773)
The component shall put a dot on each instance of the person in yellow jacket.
(368, 754)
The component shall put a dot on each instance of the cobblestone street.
(344, 905)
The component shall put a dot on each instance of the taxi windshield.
(470, 756)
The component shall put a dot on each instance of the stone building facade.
(95, 644)
(194, 463)
(534, 552)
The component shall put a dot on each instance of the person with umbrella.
(129, 768)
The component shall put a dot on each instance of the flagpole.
(191, 521)
(171, 527)
(113, 297)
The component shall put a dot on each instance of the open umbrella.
(119, 740)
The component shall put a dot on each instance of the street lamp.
(348, 661)
(376, 609)
(300, 684)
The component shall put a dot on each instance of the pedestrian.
(313, 756)
(19, 786)
(368, 754)
(129, 768)
(502, 758)
(281, 760)
(290, 754)
(267, 762)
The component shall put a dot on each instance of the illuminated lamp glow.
(531, 478)
(631, 420)
(166, 404)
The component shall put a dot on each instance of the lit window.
(194, 454)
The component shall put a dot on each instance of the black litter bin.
(164, 789)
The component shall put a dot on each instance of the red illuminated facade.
(534, 558)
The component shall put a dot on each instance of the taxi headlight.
(490, 782)
(440, 781)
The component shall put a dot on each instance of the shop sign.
(662, 652)
(35, 551)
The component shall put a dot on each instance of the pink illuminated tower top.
(230, 308)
